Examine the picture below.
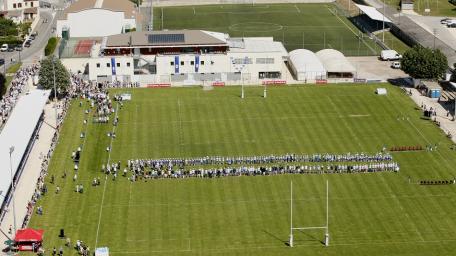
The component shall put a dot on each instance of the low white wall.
(205, 2)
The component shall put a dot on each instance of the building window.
(128, 64)
(172, 63)
(265, 61)
(14, 6)
(202, 62)
(26, 4)
(192, 63)
(98, 65)
(108, 65)
(31, 4)
(239, 61)
(19, 5)
(118, 64)
(182, 63)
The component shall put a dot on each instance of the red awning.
(29, 235)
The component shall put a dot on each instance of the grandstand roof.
(335, 62)
(168, 38)
(306, 61)
(373, 13)
(125, 6)
(17, 133)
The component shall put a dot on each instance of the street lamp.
(11, 150)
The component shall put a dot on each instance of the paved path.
(446, 123)
(27, 182)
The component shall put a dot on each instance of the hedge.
(50, 47)
(10, 40)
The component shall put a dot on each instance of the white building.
(11, 5)
(306, 66)
(20, 10)
(183, 57)
(97, 18)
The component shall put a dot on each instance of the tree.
(424, 63)
(137, 2)
(8, 27)
(46, 75)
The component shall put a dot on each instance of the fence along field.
(309, 26)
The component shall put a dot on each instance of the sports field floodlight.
(326, 228)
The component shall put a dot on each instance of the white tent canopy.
(335, 62)
(17, 133)
(373, 13)
(306, 65)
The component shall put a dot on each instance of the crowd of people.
(270, 159)
(216, 166)
(156, 173)
(17, 86)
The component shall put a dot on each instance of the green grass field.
(394, 43)
(371, 214)
(309, 26)
(438, 7)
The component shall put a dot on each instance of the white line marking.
(194, 11)
(106, 180)
(297, 8)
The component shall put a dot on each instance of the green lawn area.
(309, 26)
(394, 43)
(371, 214)
(14, 68)
(438, 7)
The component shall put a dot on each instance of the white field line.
(297, 8)
(194, 11)
(106, 179)
(316, 244)
(348, 126)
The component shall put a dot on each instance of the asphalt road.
(35, 50)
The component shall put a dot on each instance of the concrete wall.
(94, 23)
(406, 6)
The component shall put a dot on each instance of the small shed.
(406, 4)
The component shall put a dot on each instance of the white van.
(4, 48)
(390, 55)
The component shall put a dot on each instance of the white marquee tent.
(306, 65)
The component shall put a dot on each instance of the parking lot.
(433, 26)
(371, 68)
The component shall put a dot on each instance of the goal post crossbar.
(303, 228)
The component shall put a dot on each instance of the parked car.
(10, 48)
(396, 65)
(390, 55)
(18, 48)
(444, 21)
(28, 43)
(451, 25)
(4, 48)
(2, 61)
(32, 37)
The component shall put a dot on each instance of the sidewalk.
(27, 183)
(446, 123)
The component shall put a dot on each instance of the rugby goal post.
(326, 228)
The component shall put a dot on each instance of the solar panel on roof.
(166, 38)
